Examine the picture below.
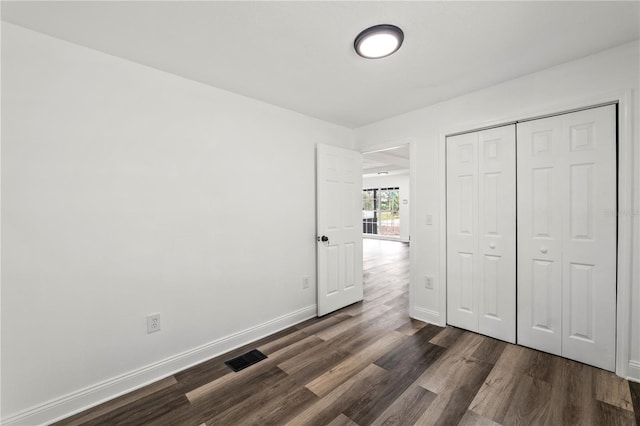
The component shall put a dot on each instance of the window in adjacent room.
(381, 211)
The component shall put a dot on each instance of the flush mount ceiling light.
(378, 41)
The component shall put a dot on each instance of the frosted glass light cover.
(378, 45)
(378, 41)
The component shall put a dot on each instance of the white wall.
(393, 181)
(128, 191)
(551, 90)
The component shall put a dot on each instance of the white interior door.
(567, 235)
(497, 233)
(589, 237)
(462, 231)
(339, 227)
(540, 157)
(481, 232)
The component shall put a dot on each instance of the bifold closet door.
(567, 235)
(481, 232)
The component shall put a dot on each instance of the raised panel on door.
(589, 237)
(539, 307)
(462, 287)
(497, 233)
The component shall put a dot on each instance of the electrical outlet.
(429, 219)
(153, 323)
(428, 282)
(305, 283)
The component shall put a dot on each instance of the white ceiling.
(299, 55)
(388, 161)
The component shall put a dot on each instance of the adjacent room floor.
(369, 363)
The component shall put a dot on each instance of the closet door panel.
(567, 235)
(539, 244)
(462, 218)
(589, 237)
(497, 233)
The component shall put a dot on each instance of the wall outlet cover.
(153, 323)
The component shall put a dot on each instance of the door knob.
(492, 245)
(324, 239)
(543, 249)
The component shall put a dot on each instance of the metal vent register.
(245, 360)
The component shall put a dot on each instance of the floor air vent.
(245, 360)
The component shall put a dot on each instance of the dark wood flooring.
(370, 364)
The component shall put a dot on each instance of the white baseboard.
(83, 399)
(426, 315)
(633, 373)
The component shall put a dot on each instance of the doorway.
(386, 194)
(386, 203)
(339, 216)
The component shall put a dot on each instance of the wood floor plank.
(610, 415)
(254, 402)
(540, 365)
(143, 410)
(318, 324)
(333, 378)
(494, 397)
(364, 333)
(186, 415)
(516, 358)
(489, 350)
(455, 361)
(497, 393)
(100, 410)
(342, 420)
(280, 412)
(212, 404)
(530, 402)
(447, 337)
(382, 295)
(344, 326)
(306, 359)
(270, 406)
(399, 302)
(203, 373)
(309, 365)
(365, 409)
(611, 389)
(356, 309)
(356, 388)
(473, 419)
(368, 305)
(411, 327)
(407, 408)
(456, 393)
(572, 394)
(414, 355)
(634, 389)
(283, 342)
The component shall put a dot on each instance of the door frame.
(395, 143)
(624, 99)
